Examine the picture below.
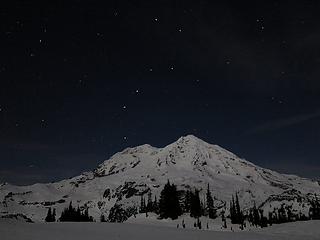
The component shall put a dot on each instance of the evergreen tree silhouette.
(149, 206)
(49, 216)
(155, 205)
(143, 207)
(210, 204)
(70, 214)
(169, 206)
(255, 216)
(236, 214)
(195, 205)
(314, 211)
(54, 215)
(186, 202)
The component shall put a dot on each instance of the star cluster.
(80, 81)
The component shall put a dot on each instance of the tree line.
(173, 203)
(70, 214)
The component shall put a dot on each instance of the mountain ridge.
(188, 162)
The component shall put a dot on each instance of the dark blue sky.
(80, 82)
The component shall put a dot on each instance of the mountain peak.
(189, 163)
(190, 139)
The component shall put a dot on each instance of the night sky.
(82, 80)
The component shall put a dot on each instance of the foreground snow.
(96, 231)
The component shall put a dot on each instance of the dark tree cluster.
(236, 214)
(120, 213)
(314, 211)
(71, 214)
(279, 215)
(192, 204)
(211, 212)
(172, 204)
(169, 205)
(150, 206)
(51, 215)
(103, 218)
(256, 217)
(196, 209)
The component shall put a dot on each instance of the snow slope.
(189, 162)
(98, 231)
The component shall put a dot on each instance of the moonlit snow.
(10, 230)
(189, 162)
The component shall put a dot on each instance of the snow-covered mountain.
(189, 162)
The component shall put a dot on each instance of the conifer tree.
(155, 205)
(210, 204)
(54, 215)
(49, 216)
(102, 218)
(263, 220)
(232, 211)
(236, 214)
(187, 200)
(282, 215)
(195, 205)
(149, 206)
(77, 213)
(256, 216)
(224, 220)
(142, 205)
(238, 210)
(314, 211)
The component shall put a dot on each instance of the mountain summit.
(188, 163)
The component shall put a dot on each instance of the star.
(156, 19)
(171, 68)
(124, 107)
(137, 91)
(125, 138)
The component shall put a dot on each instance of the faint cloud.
(32, 146)
(282, 123)
(25, 145)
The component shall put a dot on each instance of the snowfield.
(13, 230)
